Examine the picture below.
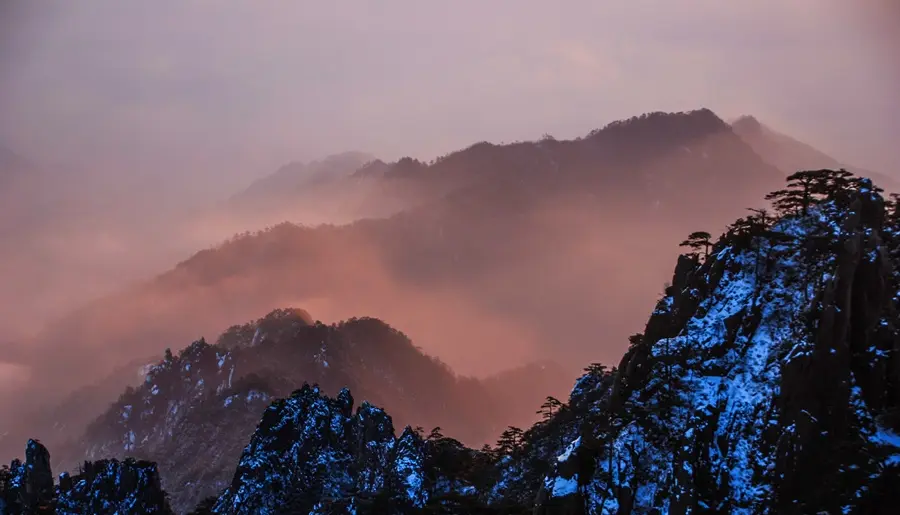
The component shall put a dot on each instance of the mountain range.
(790, 155)
(766, 380)
(193, 412)
(508, 248)
(547, 204)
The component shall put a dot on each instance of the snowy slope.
(760, 381)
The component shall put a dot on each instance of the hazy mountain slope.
(766, 381)
(194, 412)
(790, 155)
(293, 178)
(513, 265)
(530, 217)
(70, 235)
(338, 189)
(310, 193)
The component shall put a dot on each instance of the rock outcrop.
(766, 380)
(197, 409)
(112, 486)
(101, 488)
(313, 454)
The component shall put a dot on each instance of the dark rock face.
(28, 487)
(103, 487)
(111, 486)
(312, 454)
(196, 410)
(766, 380)
(38, 477)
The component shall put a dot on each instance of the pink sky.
(231, 90)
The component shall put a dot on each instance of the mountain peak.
(663, 126)
(747, 123)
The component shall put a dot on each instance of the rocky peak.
(28, 487)
(38, 476)
(764, 379)
(747, 125)
(197, 408)
(655, 127)
(310, 451)
(111, 486)
(106, 486)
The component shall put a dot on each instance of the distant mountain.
(195, 411)
(506, 247)
(522, 389)
(335, 189)
(294, 178)
(509, 254)
(765, 381)
(71, 235)
(790, 155)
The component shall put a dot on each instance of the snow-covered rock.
(313, 454)
(762, 380)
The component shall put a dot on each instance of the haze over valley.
(454, 214)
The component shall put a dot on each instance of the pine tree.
(797, 197)
(698, 240)
(806, 188)
(749, 231)
(596, 369)
(510, 441)
(550, 407)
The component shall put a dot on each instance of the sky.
(212, 94)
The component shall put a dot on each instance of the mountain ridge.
(498, 189)
(790, 155)
(491, 226)
(765, 381)
(194, 410)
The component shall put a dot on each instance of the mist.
(168, 109)
(127, 131)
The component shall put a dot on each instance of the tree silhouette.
(635, 339)
(698, 240)
(798, 195)
(597, 369)
(511, 441)
(748, 230)
(550, 406)
(806, 188)
(435, 434)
